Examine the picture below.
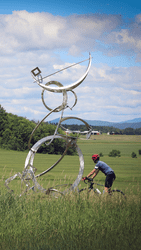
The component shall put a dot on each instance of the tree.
(15, 133)
(101, 154)
(3, 120)
(138, 131)
(129, 131)
(133, 155)
(114, 153)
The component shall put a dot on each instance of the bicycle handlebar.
(88, 179)
(91, 180)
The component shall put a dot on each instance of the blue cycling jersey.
(102, 166)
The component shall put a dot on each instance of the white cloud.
(23, 31)
(96, 96)
(125, 40)
(29, 40)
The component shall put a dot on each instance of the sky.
(54, 34)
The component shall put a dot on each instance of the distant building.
(83, 133)
(111, 133)
(93, 132)
(96, 133)
(73, 132)
(68, 132)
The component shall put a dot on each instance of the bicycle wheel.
(79, 191)
(87, 192)
(118, 194)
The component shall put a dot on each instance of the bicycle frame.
(96, 190)
(88, 180)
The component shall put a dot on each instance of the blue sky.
(65, 8)
(54, 34)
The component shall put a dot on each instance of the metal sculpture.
(29, 169)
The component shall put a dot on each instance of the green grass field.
(37, 221)
(127, 169)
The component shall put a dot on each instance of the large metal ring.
(30, 157)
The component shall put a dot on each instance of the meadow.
(37, 221)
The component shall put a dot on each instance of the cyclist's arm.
(94, 172)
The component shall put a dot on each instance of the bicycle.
(56, 193)
(113, 192)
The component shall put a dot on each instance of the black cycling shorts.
(109, 180)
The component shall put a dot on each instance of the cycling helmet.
(95, 157)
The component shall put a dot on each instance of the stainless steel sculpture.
(29, 170)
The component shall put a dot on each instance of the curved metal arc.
(75, 99)
(81, 169)
(87, 125)
(71, 86)
(36, 128)
(71, 117)
(80, 174)
(40, 124)
(56, 129)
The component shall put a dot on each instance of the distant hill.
(135, 123)
(136, 120)
(124, 125)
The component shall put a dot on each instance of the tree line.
(15, 132)
(105, 129)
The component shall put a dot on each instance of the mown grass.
(127, 169)
(38, 221)
(106, 143)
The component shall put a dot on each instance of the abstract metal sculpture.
(29, 170)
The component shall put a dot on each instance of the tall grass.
(38, 221)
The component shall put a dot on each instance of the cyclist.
(104, 168)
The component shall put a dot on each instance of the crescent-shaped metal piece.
(71, 86)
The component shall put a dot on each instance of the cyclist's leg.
(109, 182)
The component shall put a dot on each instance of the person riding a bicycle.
(104, 168)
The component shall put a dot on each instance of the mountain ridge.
(135, 123)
